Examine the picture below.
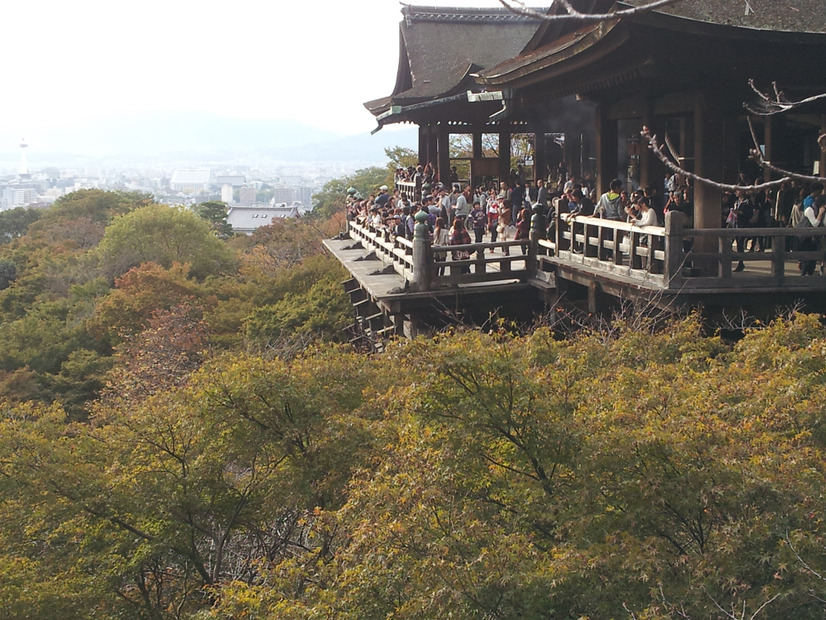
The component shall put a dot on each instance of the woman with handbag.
(459, 236)
(505, 228)
(440, 238)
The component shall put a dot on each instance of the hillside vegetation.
(192, 442)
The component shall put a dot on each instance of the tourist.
(493, 219)
(383, 198)
(478, 220)
(505, 228)
(814, 214)
(609, 205)
(542, 196)
(460, 236)
(440, 238)
(743, 212)
(523, 228)
(463, 203)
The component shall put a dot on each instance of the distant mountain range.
(202, 137)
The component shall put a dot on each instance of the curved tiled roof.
(440, 47)
(776, 15)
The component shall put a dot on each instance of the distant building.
(246, 196)
(190, 180)
(247, 219)
(18, 197)
(305, 195)
(226, 194)
(234, 180)
(283, 194)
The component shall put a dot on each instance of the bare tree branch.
(776, 103)
(520, 8)
(743, 612)
(788, 541)
(657, 149)
(756, 154)
(759, 609)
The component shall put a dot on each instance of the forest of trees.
(184, 434)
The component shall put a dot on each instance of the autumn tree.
(163, 235)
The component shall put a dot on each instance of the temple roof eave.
(596, 58)
(440, 47)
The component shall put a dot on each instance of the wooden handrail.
(668, 257)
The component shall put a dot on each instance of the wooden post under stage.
(504, 154)
(443, 163)
(606, 151)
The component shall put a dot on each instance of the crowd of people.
(793, 205)
(502, 212)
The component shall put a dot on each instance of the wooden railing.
(487, 263)
(677, 258)
(670, 258)
(409, 188)
(648, 254)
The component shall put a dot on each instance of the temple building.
(684, 70)
(737, 87)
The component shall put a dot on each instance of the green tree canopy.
(331, 199)
(163, 235)
(15, 222)
(215, 213)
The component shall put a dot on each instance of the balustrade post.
(674, 256)
(422, 254)
(559, 235)
(537, 233)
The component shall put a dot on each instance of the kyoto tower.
(24, 169)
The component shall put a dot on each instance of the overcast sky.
(314, 61)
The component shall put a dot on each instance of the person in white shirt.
(648, 217)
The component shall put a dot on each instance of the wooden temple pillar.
(772, 152)
(477, 142)
(606, 149)
(651, 168)
(572, 151)
(432, 144)
(822, 168)
(443, 152)
(709, 163)
(504, 153)
(540, 159)
(424, 144)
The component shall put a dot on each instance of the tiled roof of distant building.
(190, 176)
(236, 180)
(247, 219)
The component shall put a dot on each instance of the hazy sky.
(314, 61)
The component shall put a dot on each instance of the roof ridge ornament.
(462, 15)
